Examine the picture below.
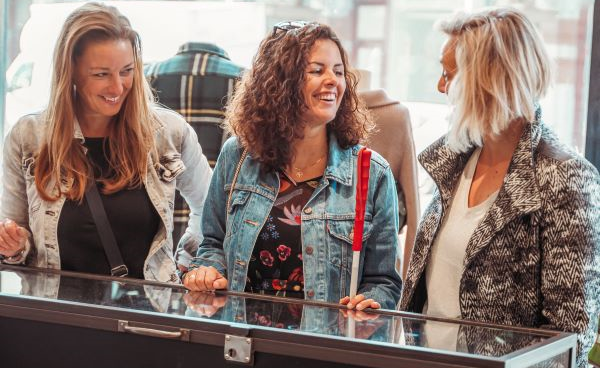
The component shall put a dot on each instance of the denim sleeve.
(380, 280)
(193, 185)
(214, 217)
(15, 205)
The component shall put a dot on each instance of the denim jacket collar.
(339, 162)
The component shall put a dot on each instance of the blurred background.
(395, 40)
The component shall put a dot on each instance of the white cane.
(362, 188)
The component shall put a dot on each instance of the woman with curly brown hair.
(280, 211)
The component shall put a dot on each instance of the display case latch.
(238, 349)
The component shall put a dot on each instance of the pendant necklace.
(299, 171)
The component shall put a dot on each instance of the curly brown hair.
(266, 109)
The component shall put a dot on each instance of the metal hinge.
(238, 349)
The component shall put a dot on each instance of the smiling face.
(103, 79)
(324, 83)
(449, 68)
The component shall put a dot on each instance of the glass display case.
(53, 318)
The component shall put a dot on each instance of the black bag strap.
(107, 237)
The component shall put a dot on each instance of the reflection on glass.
(463, 338)
(258, 311)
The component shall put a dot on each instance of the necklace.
(299, 171)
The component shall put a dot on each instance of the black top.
(276, 263)
(131, 215)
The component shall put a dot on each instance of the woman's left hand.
(359, 302)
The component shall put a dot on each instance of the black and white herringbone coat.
(534, 260)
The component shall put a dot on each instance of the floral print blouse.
(276, 263)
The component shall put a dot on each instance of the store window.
(392, 39)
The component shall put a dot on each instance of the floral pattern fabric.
(276, 263)
(277, 315)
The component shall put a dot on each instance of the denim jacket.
(327, 223)
(181, 165)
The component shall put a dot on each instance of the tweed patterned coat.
(534, 260)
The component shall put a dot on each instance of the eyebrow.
(322, 64)
(105, 68)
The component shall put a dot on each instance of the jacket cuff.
(186, 250)
(379, 296)
(20, 257)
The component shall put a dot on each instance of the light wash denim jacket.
(181, 165)
(327, 223)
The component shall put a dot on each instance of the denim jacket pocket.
(341, 234)
(170, 166)
(234, 212)
(339, 249)
(344, 230)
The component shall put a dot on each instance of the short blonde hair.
(503, 70)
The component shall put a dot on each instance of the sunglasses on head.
(289, 25)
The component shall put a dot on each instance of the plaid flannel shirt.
(197, 83)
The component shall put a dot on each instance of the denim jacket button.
(309, 250)
(308, 210)
(310, 293)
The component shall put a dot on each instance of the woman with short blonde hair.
(500, 77)
(512, 235)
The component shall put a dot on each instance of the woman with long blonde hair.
(100, 130)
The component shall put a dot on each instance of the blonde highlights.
(503, 70)
(61, 159)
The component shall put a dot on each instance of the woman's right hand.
(12, 238)
(204, 279)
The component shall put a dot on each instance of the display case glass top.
(395, 330)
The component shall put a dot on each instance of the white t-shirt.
(445, 267)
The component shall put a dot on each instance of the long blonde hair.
(503, 70)
(61, 157)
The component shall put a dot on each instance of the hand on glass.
(359, 303)
(12, 238)
(205, 304)
(204, 279)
